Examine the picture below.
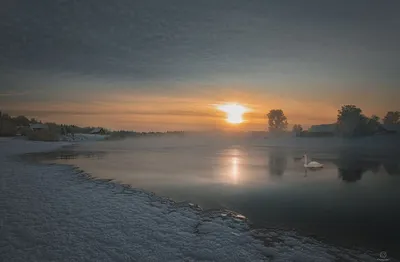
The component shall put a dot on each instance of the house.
(259, 134)
(389, 129)
(325, 130)
(38, 127)
(22, 130)
(98, 131)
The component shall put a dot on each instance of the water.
(353, 201)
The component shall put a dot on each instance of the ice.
(58, 213)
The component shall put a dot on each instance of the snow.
(83, 137)
(58, 213)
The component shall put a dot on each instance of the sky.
(158, 65)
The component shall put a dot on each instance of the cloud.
(182, 113)
(16, 93)
(198, 40)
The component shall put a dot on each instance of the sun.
(234, 112)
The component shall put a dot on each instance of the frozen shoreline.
(55, 213)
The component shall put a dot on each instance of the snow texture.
(59, 213)
(83, 137)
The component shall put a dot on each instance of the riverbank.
(58, 213)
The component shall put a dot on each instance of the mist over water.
(352, 201)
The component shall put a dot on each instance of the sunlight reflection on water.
(235, 170)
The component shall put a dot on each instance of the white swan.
(312, 164)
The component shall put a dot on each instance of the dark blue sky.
(166, 47)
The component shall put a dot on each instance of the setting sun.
(234, 112)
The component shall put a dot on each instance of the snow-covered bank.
(14, 145)
(83, 137)
(55, 213)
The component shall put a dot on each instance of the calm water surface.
(352, 201)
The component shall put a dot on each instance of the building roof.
(96, 130)
(328, 128)
(392, 127)
(38, 126)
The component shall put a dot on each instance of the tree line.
(10, 126)
(350, 122)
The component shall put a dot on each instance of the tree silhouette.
(21, 121)
(392, 117)
(375, 118)
(6, 116)
(297, 129)
(348, 118)
(277, 120)
(373, 123)
(33, 121)
(7, 126)
(351, 122)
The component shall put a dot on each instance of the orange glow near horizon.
(234, 112)
(211, 108)
(159, 113)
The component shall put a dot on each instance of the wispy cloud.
(23, 93)
(159, 112)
